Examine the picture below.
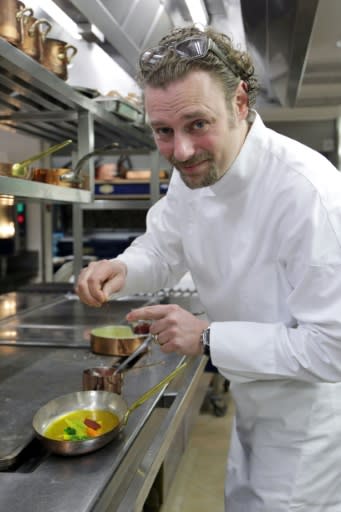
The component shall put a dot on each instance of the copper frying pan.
(90, 400)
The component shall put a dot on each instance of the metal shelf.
(35, 190)
(35, 101)
(118, 204)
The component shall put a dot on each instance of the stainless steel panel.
(34, 376)
(66, 323)
(14, 303)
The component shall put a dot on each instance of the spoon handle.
(132, 356)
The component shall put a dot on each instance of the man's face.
(194, 128)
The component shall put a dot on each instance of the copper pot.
(103, 342)
(55, 55)
(5, 169)
(9, 25)
(52, 176)
(102, 378)
(22, 169)
(32, 32)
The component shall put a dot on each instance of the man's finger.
(148, 313)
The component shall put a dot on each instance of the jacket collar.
(243, 168)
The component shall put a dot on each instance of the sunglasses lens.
(192, 48)
(152, 56)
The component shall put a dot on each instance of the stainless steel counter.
(120, 474)
(57, 320)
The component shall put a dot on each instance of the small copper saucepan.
(9, 25)
(103, 378)
(32, 32)
(108, 341)
(6, 169)
(53, 176)
(110, 378)
(22, 169)
(55, 55)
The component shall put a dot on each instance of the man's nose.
(183, 147)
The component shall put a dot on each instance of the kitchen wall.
(320, 135)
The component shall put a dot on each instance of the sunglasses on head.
(196, 47)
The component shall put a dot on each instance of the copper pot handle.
(72, 53)
(36, 26)
(20, 169)
(24, 13)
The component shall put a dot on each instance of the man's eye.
(163, 132)
(199, 124)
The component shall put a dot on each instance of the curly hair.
(173, 67)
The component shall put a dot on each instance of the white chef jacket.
(263, 245)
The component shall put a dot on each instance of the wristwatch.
(205, 341)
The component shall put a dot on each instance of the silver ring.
(156, 338)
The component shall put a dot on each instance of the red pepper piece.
(91, 424)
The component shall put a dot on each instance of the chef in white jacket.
(256, 218)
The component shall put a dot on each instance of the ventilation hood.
(293, 42)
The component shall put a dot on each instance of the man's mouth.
(193, 167)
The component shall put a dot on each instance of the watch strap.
(205, 341)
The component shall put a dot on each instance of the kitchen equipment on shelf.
(5, 169)
(9, 25)
(73, 175)
(90, 401)
(53, 176)
(122, 108)
(55, 55)
(145, 174)
(88, 92)
(22, 169)
(33, 32)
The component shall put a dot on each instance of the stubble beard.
(206, 180)
(191, 181)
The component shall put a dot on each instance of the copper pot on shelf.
(9, 25)
(55, 55)
(5, 169)
(33, 32)
(22, 169)
(53, 176)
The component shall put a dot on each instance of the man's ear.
(242, 100)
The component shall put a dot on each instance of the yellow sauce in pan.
(58, 428)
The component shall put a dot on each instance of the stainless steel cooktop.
(57, 321)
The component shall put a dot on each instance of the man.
(256, 218)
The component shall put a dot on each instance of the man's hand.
(99, 280)
(176, 329)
